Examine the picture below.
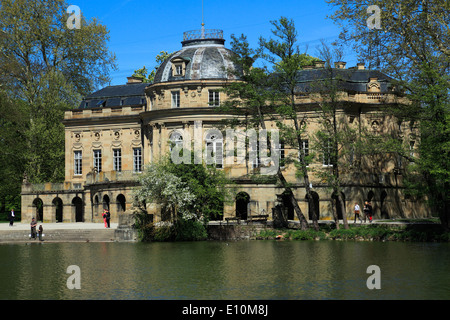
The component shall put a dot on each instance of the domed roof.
(204, 57)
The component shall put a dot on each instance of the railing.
(203, 34)
(375, 96)
(111, 176)
(50, 187)
(47, 187)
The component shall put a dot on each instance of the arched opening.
(315, 197)
(242, 201)
(58, 209)
(38, 208)
(106, 202)
(96, 204)
(370, 196)
(121, 203)
(338, 206)
(287, 204)
(77, 203)
(383, 207)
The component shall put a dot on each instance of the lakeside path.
(19, 226)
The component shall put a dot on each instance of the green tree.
(12, 144)
(207, 189)
(268, 94)
(160, 186)
(412, 46)
(45, 68)
(189, 195)
(143, 72)
(286, 60)
(334, 136)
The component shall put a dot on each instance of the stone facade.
(116, 131)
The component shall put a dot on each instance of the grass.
(362, 233)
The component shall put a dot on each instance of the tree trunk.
(335, 215)
(298, 211)
(302, 161)
(344, 214)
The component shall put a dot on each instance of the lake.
(214, 270)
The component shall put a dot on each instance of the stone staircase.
(103, 235)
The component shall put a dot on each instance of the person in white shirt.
(11, 218)
(357, 212)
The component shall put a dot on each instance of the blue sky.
(140, 29)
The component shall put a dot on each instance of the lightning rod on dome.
(203, 22)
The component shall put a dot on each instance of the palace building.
(119, 129)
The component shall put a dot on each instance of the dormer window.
(179, 66)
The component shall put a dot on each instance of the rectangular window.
(215, 148)
(305, 149)
(254, 155)
(117, 160)
(78, 163)
(411, 149)
(98, 160)
(327, 154)
(179, 70)
(281, 151)
(175, 99)
(351, 158)
(137, 160)
(214, 98)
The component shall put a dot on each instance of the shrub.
(189, 230)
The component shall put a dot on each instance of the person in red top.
(104, 217)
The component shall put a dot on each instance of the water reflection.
(221, 270)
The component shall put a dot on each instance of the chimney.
(360, 66)
(319, 64)
(340, 65)
(132, 80)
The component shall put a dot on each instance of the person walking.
(108, 218)
(33, 228)
(370, 211)
(11, 218)
(357, 212)
(367, 211)
(41, 230)
(104, 217)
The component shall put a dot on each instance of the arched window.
(176, 139)
(176, 147)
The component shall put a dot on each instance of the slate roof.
(352, 79)
(205, 59)
(120, 95)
